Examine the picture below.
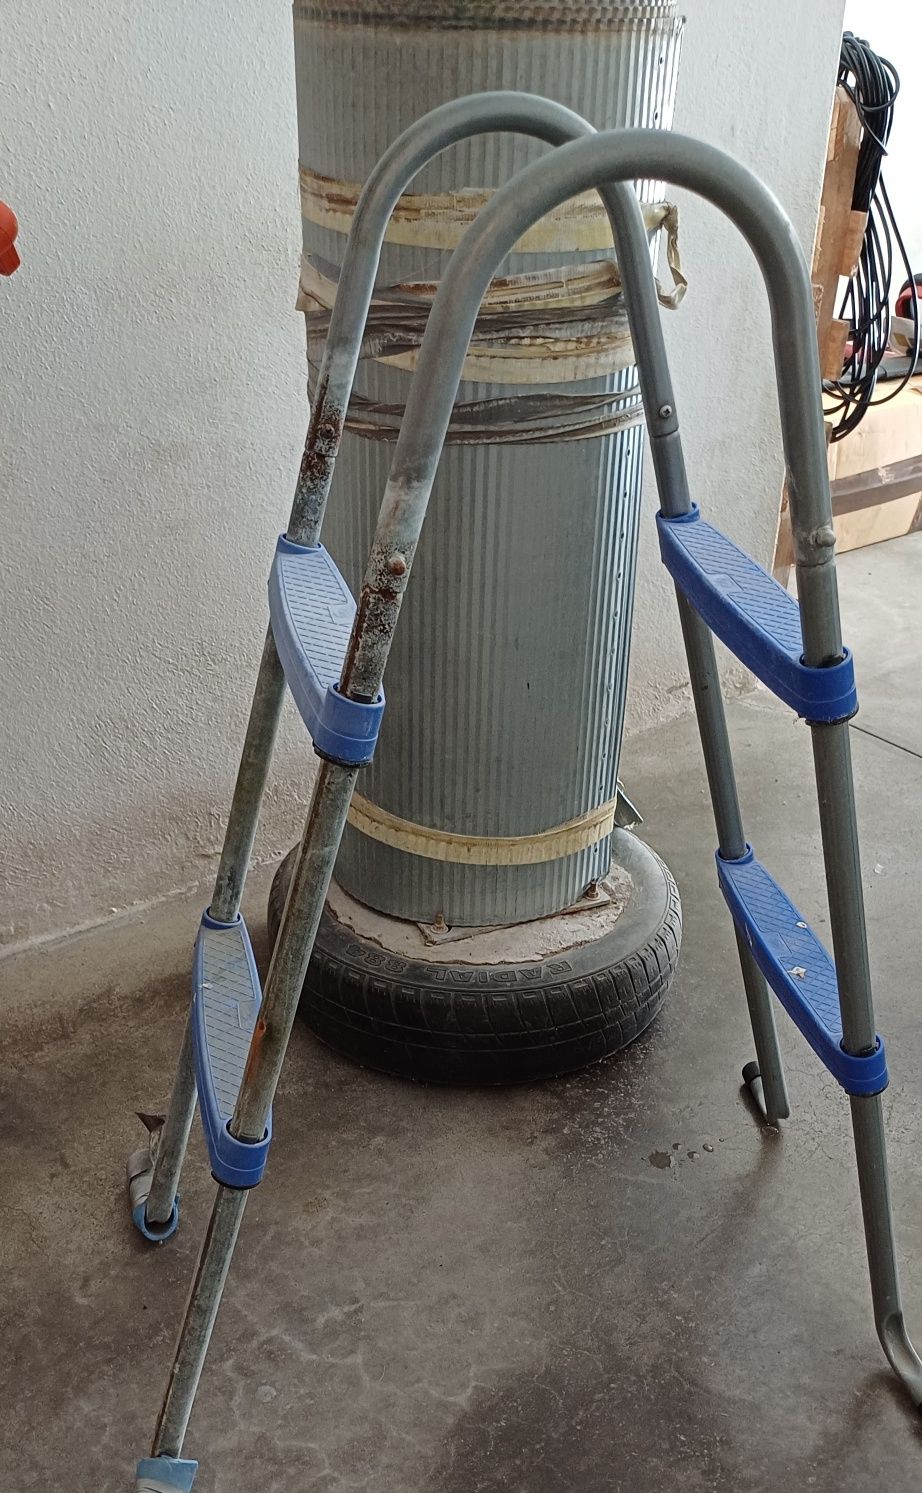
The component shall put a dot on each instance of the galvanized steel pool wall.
(506, 684)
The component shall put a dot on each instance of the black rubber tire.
(495, 1024)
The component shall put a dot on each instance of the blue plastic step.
(311, 610)
(798, 969)
(755, 617)
(226, 997)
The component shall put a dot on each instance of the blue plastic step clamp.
(755, 617)
(798, 969)
(226, 997)
(311, 611)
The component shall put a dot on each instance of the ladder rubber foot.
(165, 1475)
(156, 1233)
(752, 1085)
(141, 1164)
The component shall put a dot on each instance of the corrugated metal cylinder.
(507, 678)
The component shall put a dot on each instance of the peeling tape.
(438, 220)
(483, 850)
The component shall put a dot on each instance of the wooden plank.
(839, 228)
(890, 436)
(833, 348)
(852, 239)
(839, 232)
(899, 479)
(875, 525)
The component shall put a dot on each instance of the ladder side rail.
(154, 1189)
(335, 782)
(612, 158)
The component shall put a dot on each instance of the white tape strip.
(438, 220)
(483, 850)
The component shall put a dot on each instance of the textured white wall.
(151, 414)
(151, 409)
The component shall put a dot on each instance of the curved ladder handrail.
(514, 113)
(524, 113)
(607, 161)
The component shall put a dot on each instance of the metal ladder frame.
(607, 162)
(156, 1174)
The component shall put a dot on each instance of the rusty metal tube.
(435, 132)
(322, 834)
(483, 113)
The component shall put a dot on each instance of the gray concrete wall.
(152, 410)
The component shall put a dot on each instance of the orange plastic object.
(9, 227)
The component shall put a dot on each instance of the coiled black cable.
(873, 84)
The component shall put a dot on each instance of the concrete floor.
(613, 1282)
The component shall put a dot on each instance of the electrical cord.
(873, 85)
